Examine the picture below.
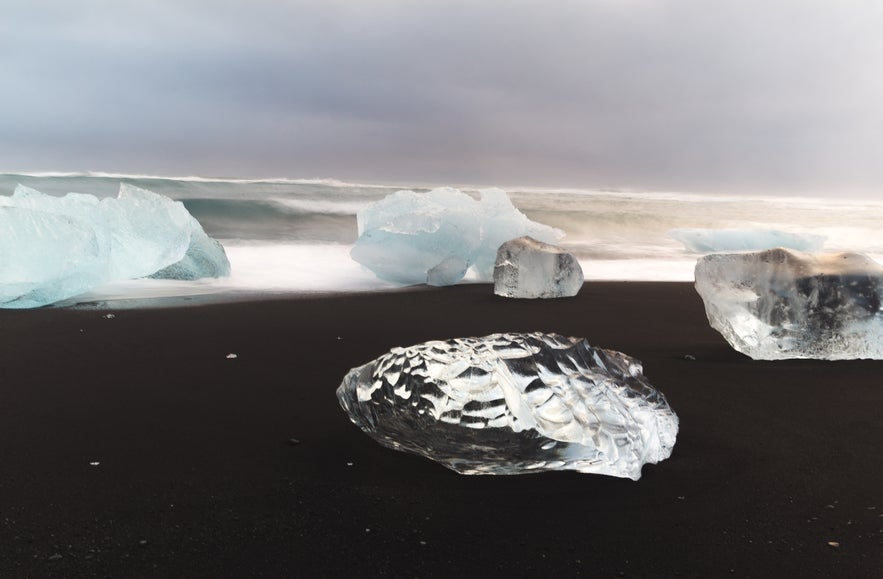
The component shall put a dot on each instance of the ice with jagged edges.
(780, 303)
(720, 240)
(513, 404)
(53, 248)
(437, 237)
(527, 268)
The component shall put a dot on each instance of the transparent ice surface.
(513, 404)
(780, 303)
(714, 240)
(54, 248)
(435, 237)
(527, 268)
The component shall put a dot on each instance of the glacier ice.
(54, 248)
(722, 240)
(205, 257)
(513, 404)
(781, 303)
(436, 237)
(527, 268)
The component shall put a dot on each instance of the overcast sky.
(759, 96)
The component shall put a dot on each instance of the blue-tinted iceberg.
(436, 237)
(53, 248)
(714, 240)
(205, 257)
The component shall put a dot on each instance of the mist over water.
(295, 235)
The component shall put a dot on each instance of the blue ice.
(53, 248)
(437, 237)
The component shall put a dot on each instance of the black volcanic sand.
(132, 446)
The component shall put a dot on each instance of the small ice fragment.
(231, 356)
(94, 463)
(108, 316)
(527, 268)
(834, 544)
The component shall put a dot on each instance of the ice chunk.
(714, 240)
(527, 268)
(205, 257)
(36, 263)
(781, 303)
(54, 248)
(500, 222)
(436, 237)
(139, 231)
(512, 404)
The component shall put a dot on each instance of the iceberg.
(723, 240)
(527, 268)
(205, 257)
(780, 303)
(513, 404)
(437, 237)
(54, 248)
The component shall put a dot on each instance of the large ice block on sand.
(513, 404)
(781, 303)
(722, 240)
(53, 248)
(527, 268)
(436, 237)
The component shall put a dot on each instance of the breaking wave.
(299, 230)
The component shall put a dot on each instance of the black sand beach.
(132, 446)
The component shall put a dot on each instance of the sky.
(757, 96)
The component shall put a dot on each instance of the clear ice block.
(513, 404)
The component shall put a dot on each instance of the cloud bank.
(772, 96)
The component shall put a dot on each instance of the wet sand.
(133, 446)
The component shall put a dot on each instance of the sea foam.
(294, 235)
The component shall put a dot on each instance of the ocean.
(290, 235)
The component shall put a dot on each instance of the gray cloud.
(679, 94)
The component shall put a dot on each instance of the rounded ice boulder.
(513, 404)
